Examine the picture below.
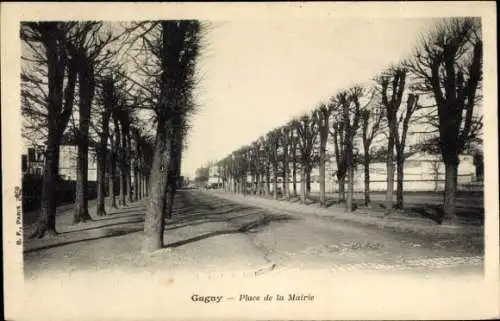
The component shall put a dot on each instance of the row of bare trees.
(124, 78)
(437, 89)
(71, 87)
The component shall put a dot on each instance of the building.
(33, 162)
(214, 176)
(67, 164)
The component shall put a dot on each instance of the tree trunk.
(341, 181)
(46, 222)
(275, 183)
(400, 180)
(154, 223)
(102, 155)
(294, 178)
(121, 166)
(258, 184)
(450, 190)
(123, 183)
(139, 184)
(101, 186)
(367, 179)
(147, 184)
(308, 181)
(322, 178)
(303, 187)
(101, 165)
(286, 188)
(143, 184)
(267, 183)
(136, 185)
(112, 175)
(85, 77)
(390, 176)
(170, 191)
(350, 188)
(81, 213)
(129, 165)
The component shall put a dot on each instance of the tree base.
(151, 246)
(448, 219)
(82, 219)
(42, 232)
(101, 212)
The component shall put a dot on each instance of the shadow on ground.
(251, 226)
(474, 215)
(190, 210)
(104, 233)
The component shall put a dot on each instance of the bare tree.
(294, 142)
(55, 79)
(347, 112)
(267, 156)
(176, 45)
(120, 154)
(256, 166)
(400, 135)
(392, 83)
(273, 139)
(323, 117)
(91, 42)
(307, 133)
(448, 64)
(112, 160)
(285, 142)
(371, 119)
(108, 101)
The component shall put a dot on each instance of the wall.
(421, 173)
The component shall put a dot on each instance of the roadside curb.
(389, 222)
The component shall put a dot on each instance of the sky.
(257, 75)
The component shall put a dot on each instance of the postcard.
(277, 161)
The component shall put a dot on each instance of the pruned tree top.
(447, 63)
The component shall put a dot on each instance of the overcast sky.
(259, 74)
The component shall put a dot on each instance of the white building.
(213, 175)
(67, 164)
(34, 161)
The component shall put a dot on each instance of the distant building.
(34, 161)
(67, 164)
(213, 175)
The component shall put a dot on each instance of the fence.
(466, 183)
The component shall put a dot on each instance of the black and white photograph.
(250, 161)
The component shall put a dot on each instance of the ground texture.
(224, 233)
